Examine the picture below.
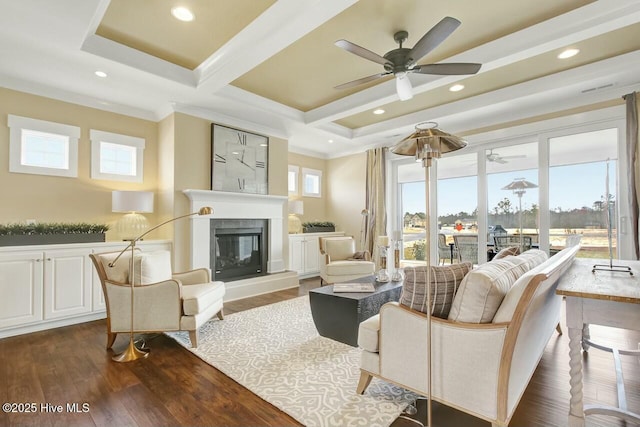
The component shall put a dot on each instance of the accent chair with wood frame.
(340, 262)
(163, 301)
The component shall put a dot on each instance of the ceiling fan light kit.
(402, 61)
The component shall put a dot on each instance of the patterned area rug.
(276, 352)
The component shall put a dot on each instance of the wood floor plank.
(174, 387)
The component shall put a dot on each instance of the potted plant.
(318, 227)
(18, 234)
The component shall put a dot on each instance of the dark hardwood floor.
(173, 387)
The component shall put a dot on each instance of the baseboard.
(254, 286)
(50, 324)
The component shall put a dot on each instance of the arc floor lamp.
(132, 352)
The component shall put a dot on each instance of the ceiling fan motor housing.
(397, 60)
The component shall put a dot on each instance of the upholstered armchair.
(340, 262)
(163, 301)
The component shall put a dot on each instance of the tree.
(505, 206)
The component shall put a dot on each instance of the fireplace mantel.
(227, 205)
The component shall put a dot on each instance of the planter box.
(319, 229)
(50, 239)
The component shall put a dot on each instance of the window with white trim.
(311, 182)
(116, 157)
(292, 180)
(42, 148)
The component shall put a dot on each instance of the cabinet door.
(67, 282)
(296, 254)
(311, 255)
(21, 288)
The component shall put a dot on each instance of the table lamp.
(133, 223)
(295, 208)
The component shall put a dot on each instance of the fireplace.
(238, 248)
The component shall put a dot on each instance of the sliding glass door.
(580, 165)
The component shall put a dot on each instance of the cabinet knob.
(38, 260)
(48, 259)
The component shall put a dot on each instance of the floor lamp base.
(131, 353)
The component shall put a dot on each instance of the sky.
(572, 186)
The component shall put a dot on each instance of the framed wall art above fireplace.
(239, 160)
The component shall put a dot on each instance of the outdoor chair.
(501, 242)
(467, 247)
(445, 251)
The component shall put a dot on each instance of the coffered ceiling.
(271, 66)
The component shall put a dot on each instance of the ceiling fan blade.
(448, 69)
(499, 160)
(517, 156)
(403, 86)
(432, 39)
(361, 81)
(361, 52)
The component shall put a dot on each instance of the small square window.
(116, 157)
(42, 148)
(311, 182)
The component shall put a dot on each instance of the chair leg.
(221, 314)
(321, 282)
(363, 383)
(111, 338)
(193, 336)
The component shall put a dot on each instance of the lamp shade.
(431, 140)
(296, 207)
(132, 201)
(520, 184)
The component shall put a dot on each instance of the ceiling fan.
(402, 61)
(495, 157)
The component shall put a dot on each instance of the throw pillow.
(445, 281)
(513, 250)
(152, 267)
(482, 290)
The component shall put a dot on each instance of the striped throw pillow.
(445, 280)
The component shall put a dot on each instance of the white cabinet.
(21, 288)
(47, 286)
(67, 282)
(304, 252)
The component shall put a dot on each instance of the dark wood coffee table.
(338, 315)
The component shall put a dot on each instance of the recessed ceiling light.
(378, 111)
(264, 145)
(568, 53)
(330, 141)
(182, 13)
(101, 74)
(456, 88)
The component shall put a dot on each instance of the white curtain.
(633, 167)
(376, 191)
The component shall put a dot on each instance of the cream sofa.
(479, 368)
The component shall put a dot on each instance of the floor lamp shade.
(133, 223)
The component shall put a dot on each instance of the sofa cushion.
(513, 250)
(511, 299)
(534, 257)
(151, 267)
(483, 289)
(347, 268)
(445, 280)
(197, 298)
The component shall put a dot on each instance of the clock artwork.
(239, 161)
